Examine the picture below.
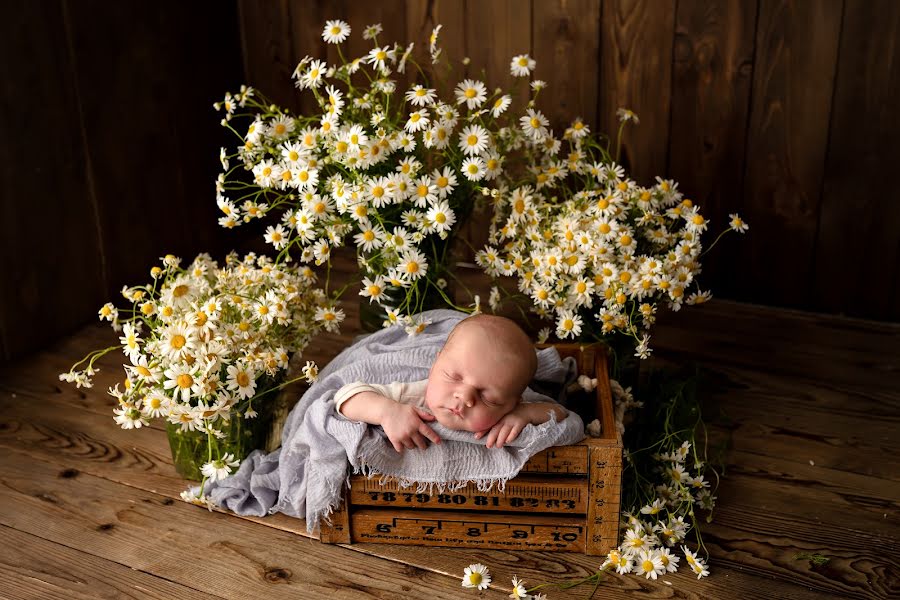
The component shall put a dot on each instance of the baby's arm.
(404, 424)
(512, 423)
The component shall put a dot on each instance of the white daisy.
(649, 564)
(183, 380)
(372, 31)
(131, 341)
(312, 78)
(474, 140)
(441, 216)
(330, 317)
(424, 192)
(276, 236)
(367, 239)
(445, 181)
(420, 96)
(219, 469)
(241, 379)
(373, 289)
(473, 168)
(129, 417)
(177, 340)
(522, 65)
(737, 224)
(417, 121)
(310, 371)
(377, 57)
(669, 561)
(472, 92)
(518, 589)
(534, 124)
(413, 265)
(335, 31)
(476, 576)
(155, 404)
(568, 324)
(500, 105)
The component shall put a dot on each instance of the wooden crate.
(565, 499)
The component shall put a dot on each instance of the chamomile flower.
(522, 65)
(420, 96)
(500, 105)
(417, 325)
(312, 78)
(473, 168)
(310, 371)
(131, 341)
(372, 31)
(377, 57)
(183, 380)
(441, 216)
(737, 224)
(219, 469)
(649, 564)
(276, 236)
(476, 576)
(473, 140)
(367, 239)
(534, 124)
(568, 324)
(445, 181)
(330, 317)
(373, 289)
(413, 265)
(624, 115)
(335, 31)
(518, 589)
(472, 92)
(129, 417)
(417, 121)
(155, 404)
(696, 563)
(669, 561)
(241, 379)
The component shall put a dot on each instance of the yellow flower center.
(147, 308)
(421, 92)
(443, 181)
(523, 62)
(242, 379)
(475, 578)
(330, 316)
(473, 168)
(244, 326)
(472, 140)
(168, 311)
(374, 290)
(335, 30)
(412, 267)
(604, 228)
(440, 218)
(178, 341)
(179, 291)
(498, 102)
(622, 186)
(471, 92)
(415, 117)
(184, 381)
(581, 287)
(625, 276)
(143, 371)
(303, 176)
(647, 565)
(200, 318)
(381, 55)
(422, 191)
(378, 191)
(568, 324)
(535, 122)
(280, 128)
(492, 164)
(263, 309)
(698, 220)
(542, 294)
(625, 240)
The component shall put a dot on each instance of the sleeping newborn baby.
(475, 384)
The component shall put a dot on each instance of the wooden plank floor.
(89, 510)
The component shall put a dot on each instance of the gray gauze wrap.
(304, 477)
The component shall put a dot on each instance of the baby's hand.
(406, 428)
(505, 430)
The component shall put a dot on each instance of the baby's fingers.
(430, 433)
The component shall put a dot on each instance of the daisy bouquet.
(593, 251)
(205, 346)
(392, 172)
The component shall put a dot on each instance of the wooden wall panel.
(566, 47)
(268, 50)
(713, 65)
(422, 16)
(151, 138)
(636, 72)
(857, 266)
(793, 82)
(55, 267)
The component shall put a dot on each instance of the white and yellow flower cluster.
(592, 249)
(390, 172)
(203, 342)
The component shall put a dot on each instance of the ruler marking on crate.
(441, 527)
(523, 494)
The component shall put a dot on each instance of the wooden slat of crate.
(525, 494)
(524, 515)
(469, 529)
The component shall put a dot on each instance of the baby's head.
(480, 373)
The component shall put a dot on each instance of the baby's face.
(471, 386)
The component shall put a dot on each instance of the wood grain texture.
(809, 403)
(793, 82)
(712, 72)
(565, 42)
(49, 224)
(268, 51)
(149, 532)
(865, 137)
(32, 567)
(636, 73)
(130, 84)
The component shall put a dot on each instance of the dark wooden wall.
(108, 151)
(784, 111)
